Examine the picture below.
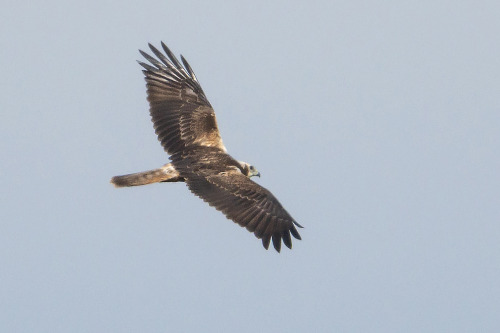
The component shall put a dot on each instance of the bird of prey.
(186, 127)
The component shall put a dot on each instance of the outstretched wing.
(179, 109)
(248, 204)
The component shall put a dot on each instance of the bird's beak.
(255, 173)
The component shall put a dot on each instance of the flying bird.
(186, 126)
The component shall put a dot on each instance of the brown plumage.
(187, 129)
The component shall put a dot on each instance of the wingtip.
(297, 224)
(295, 233)
(164, 46)
(265, 242)
(171, 55)
(287, 240)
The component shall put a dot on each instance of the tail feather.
(166, 173)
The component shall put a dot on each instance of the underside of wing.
(248, 204)
(180, 111)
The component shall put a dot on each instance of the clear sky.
(376, 124)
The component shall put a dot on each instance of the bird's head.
(249, 170)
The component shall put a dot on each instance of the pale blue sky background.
(376, 124)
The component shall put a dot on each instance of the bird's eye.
(251, 167)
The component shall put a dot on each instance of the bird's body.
(187, 129)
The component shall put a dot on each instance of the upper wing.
(180, 111)
(248, 204)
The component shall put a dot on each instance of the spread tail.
(166, 173)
